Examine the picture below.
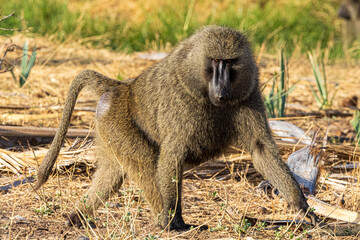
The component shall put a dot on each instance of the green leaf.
(315, 95)
(316, 71)
(26, 65)
(324, 79)
(23, 64)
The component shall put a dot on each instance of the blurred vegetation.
(355, 122)
(300, 25)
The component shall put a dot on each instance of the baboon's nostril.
(224, 98)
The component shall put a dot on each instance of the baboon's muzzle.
(219, 86)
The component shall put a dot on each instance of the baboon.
(350, 11)
(182, 111)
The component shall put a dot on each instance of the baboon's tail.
(95, 81)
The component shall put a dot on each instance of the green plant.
(6, 225)
(355, 122)
(279, 233)
(322, 98)
(260, 226)
(26, 65)
(128, 217)
(242, 229)
(245, 224)
(151, 237)
(237, 228)
(139, 209)
(44, 210)
(218, 227)
(120, 77)
(275, 102)
(212, 195)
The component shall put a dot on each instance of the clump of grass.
(323, 97)
(275, 102)
(355, 122)
(43, 211)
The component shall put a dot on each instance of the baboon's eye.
(216, 60)
(228, 60)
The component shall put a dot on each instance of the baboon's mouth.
(218, 103)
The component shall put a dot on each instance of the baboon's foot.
(187, 227)
(312, 218)
(190, 227)
(76, 219)
(178, 224)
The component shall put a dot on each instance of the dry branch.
(15, 131)
(16, 183)
(329, 211)
(5, 17)
(25, 107)
(20, 162)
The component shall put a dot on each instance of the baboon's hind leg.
(138, 157)
(127, 144)
(107, 180)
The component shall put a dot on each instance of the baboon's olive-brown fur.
(182, 111)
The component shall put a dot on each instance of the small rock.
(83, 238)
(349, 102)
(114, 205)
(19, 219)
(262, 210)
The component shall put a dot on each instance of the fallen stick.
(24, 107)
(7, 187)
(329, 211)
(16, 131)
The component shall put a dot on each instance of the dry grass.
(234, 185)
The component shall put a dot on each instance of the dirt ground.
(220, 202)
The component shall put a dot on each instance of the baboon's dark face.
(230, 71)
(349, 10)
(220, 74)
(230, 80)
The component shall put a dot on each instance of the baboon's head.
(350, 10)
(228, 69)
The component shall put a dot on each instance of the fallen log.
(17, 131)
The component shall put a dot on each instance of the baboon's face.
(349, 10)
(230, 71)
(220, 74)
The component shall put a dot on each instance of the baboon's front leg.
(169, 177)
(257, 140)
